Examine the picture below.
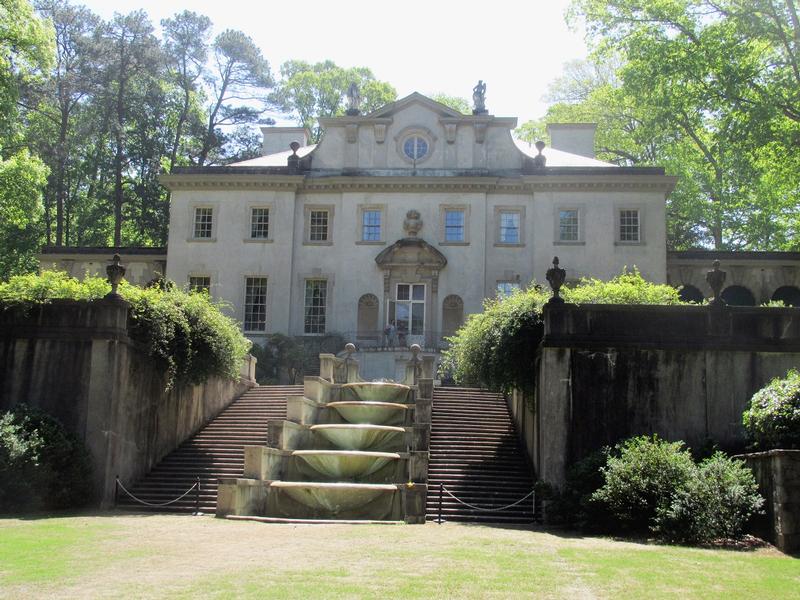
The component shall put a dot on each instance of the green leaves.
(772, 419)
(186, 334)
(318, 90)
(497, 347)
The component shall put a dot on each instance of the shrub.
(186, 334)
(772, 419)
(497, 348)
(716, 502)
(573, 505)
(641, 481)
(42, 466)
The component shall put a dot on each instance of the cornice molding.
(524, 184)
(227, 181)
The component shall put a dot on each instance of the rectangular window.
(200, 283)
(509, 227)
(371, 226)
(259, 223)
(506, 288)
(255, 304)
(568, 225)
(318, 226)
(629, 225)
(316, 300)
(454, 225)
(203, 223)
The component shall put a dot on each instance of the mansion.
(409, 217)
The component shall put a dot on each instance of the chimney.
(277, 139)
(575, 138)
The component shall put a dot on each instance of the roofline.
(107, 250)
(701, 254)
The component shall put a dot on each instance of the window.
(407, 311)
(568, 225)
(203, 222)
(200, 283)
(318, 226)
(259, 223)
(454, 220)
(506, 288)
(371, 225)
(629, 225)
(509, 227)
(316, 299)
(415, 147)
(255, 304)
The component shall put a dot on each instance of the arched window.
(689, 293)
(789, 294)
(452, 314)
(368, 317)
(738, 295)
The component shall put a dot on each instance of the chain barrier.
(444, 490)
(195, 486)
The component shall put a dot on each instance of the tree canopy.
(709, 89)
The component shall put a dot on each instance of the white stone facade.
(489, 216)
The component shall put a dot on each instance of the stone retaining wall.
(75, 361)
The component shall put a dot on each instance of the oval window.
(415, 147)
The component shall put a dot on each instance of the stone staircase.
(475, 453)
(215, 451)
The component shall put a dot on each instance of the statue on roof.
(479, 98)
(353, 100)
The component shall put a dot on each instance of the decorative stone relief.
(351, 131)
(450, 132)
(413, 223)
(480, 132)
(380, 132)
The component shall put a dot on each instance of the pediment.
(416, 98)
(409, 252)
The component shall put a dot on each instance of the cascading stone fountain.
(348, 451)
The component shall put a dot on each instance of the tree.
(311, 91)
(721, 78)
(239, 87)
(57, 101)
(462, 105)
(186, 47)
(26, 47)
(133, 56)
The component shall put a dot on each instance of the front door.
(407, 310)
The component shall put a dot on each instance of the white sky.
(516, 47)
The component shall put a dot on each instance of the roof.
(559, 158)
(273, 160)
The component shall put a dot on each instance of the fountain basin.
(333, 498)
(345, 464)
(358, 436)
(370, 412)
(371, 391)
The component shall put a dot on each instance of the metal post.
(441, 493)
(197, 497)
(116, 490)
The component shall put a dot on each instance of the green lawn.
(158, 556)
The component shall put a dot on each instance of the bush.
(641, 480)
(648, 485)
(772, 419)
(185, 333)
(716, 502)
(42, 466)
(497, 348)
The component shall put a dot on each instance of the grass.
(159, 556)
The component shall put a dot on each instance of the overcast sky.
(430, 46)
